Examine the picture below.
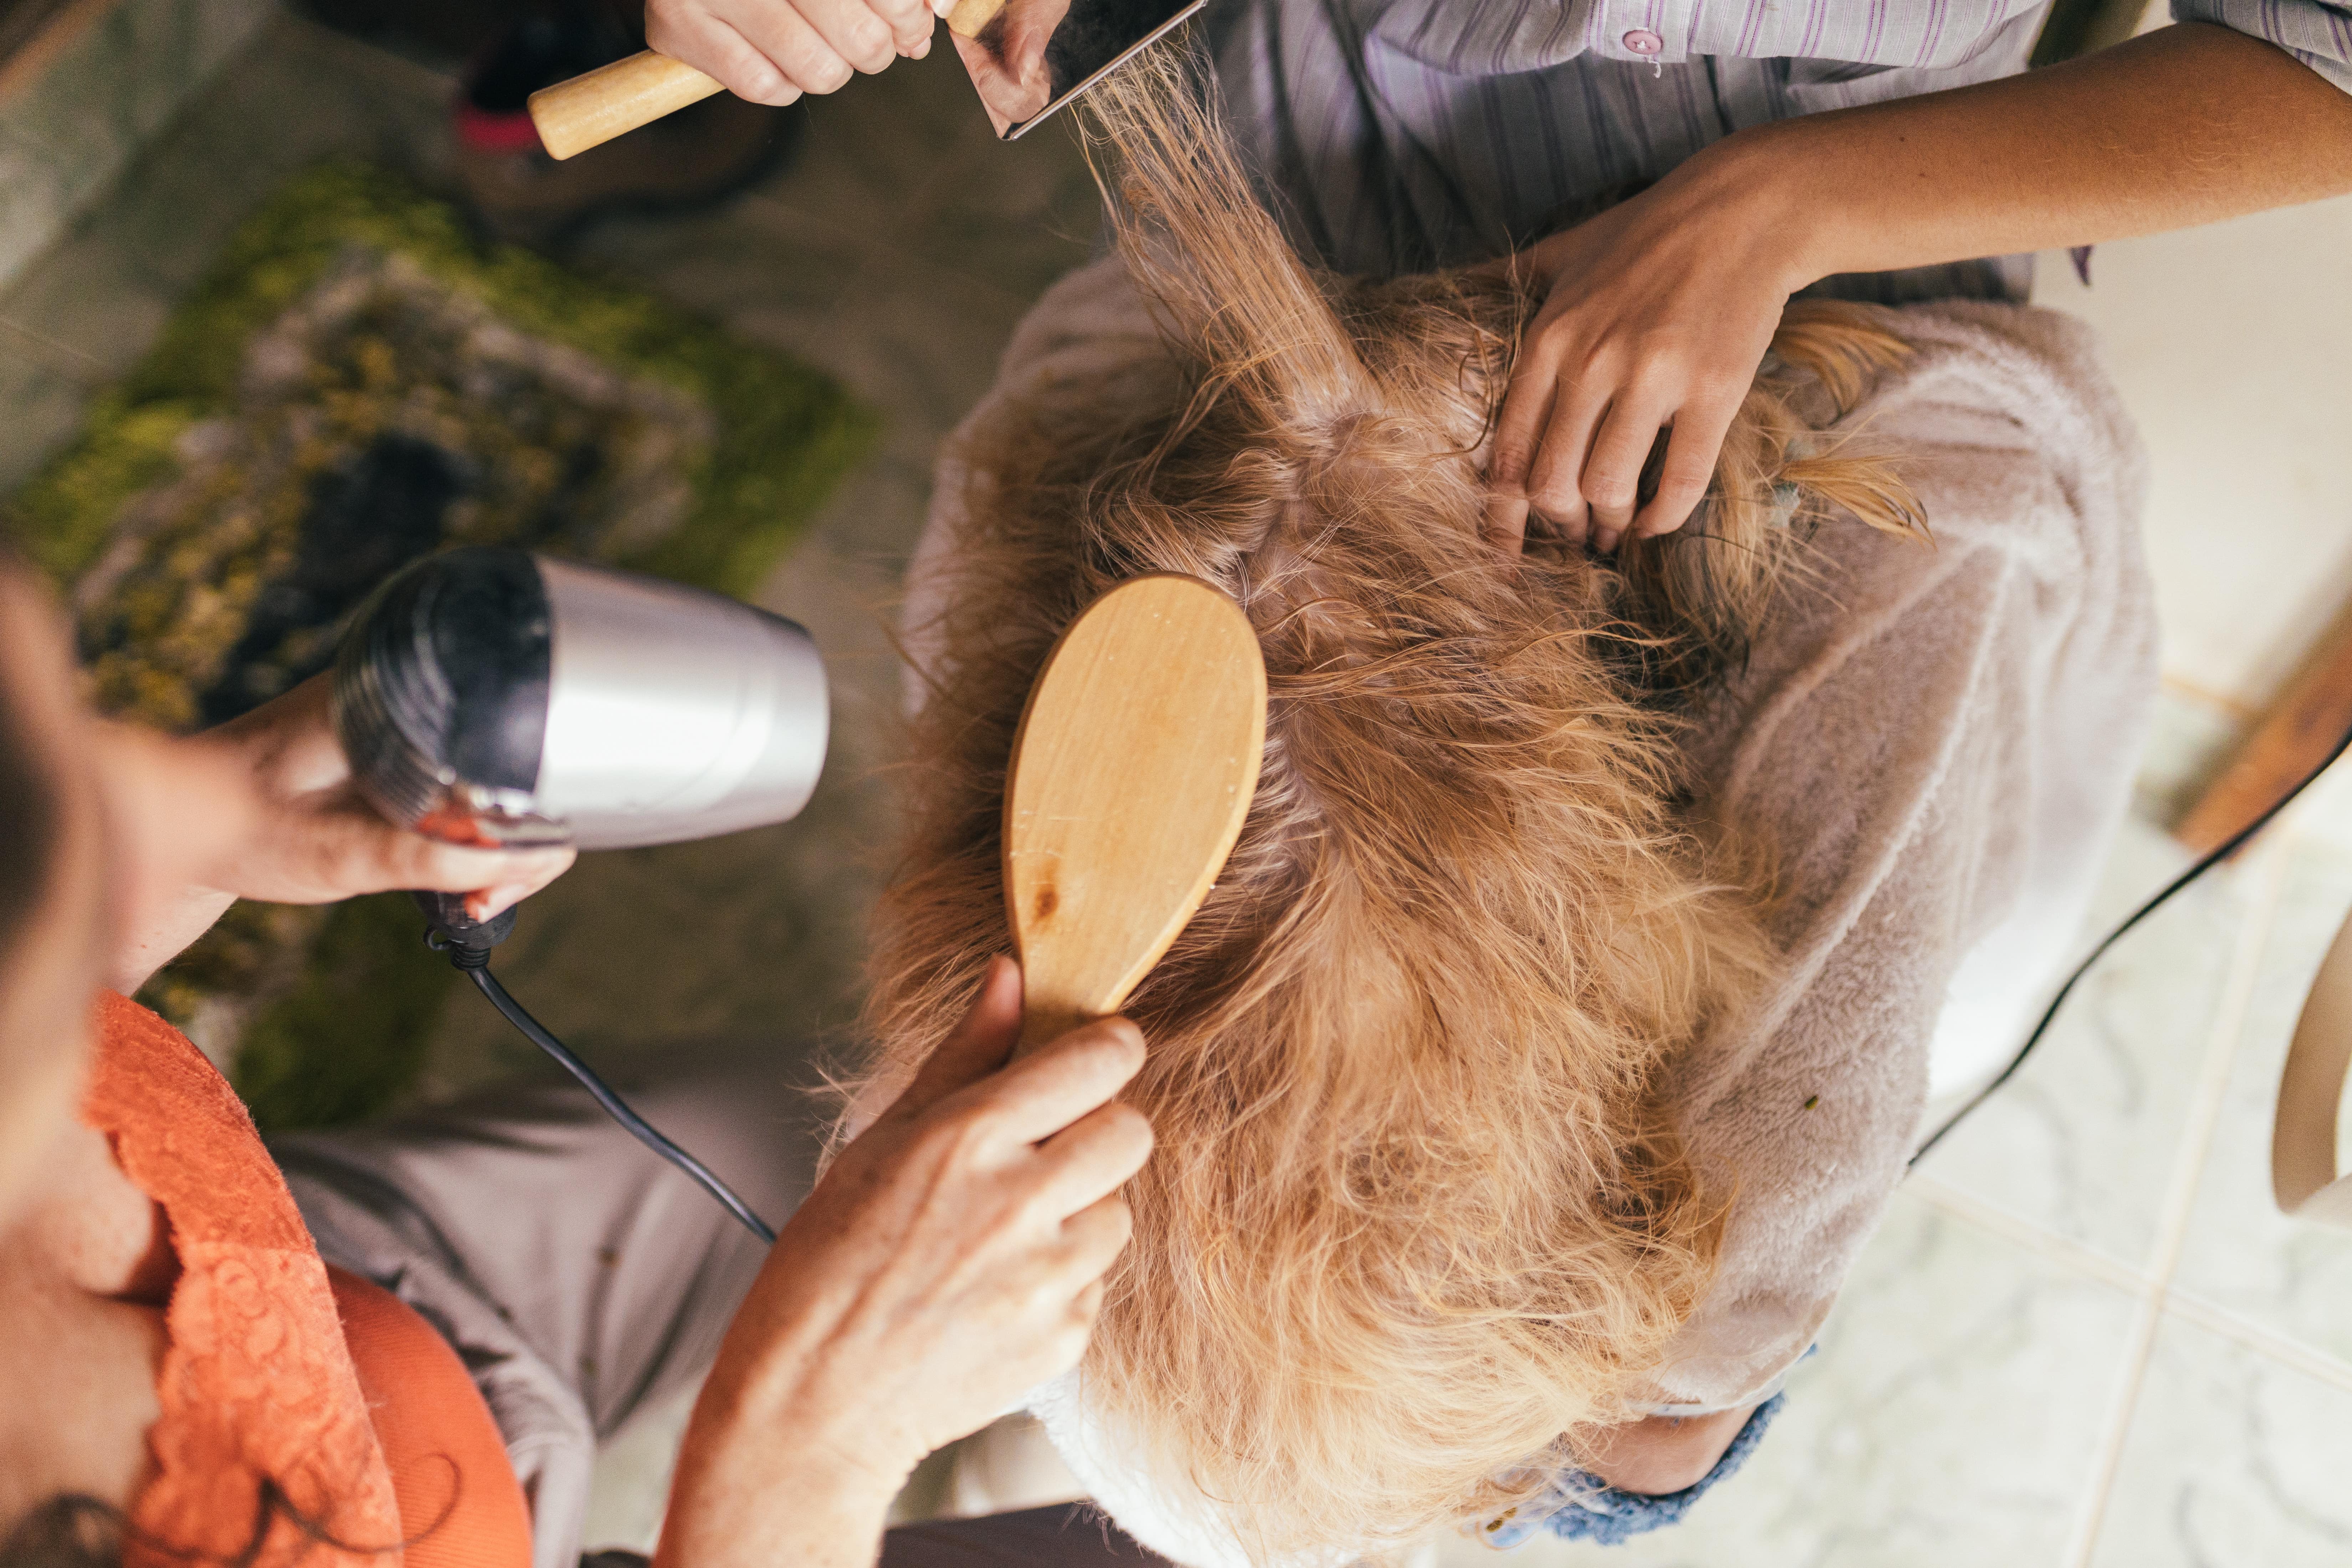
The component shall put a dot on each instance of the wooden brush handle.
(1044, 1020)
(589, 111)
(970, 16)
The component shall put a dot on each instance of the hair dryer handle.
(467, 940)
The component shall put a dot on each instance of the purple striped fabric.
(1400, 134)
(2317, 32)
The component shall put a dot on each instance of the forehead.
(36, 683)
(51, 881)
(46, 788)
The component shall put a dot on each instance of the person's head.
(1417, 1217)
(54, 876)
(95, 819)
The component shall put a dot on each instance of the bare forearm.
(758, 1483)
(754, 1510)
(2186, 125)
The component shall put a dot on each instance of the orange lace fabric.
(257, 1385)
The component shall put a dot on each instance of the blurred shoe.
(704, 152)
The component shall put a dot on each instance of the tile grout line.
(2269, 874)
(2066, 1253)
(2222, 1323)
(2049, 1245)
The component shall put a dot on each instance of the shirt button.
(1643, 41)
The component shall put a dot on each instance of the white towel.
(1940, 744)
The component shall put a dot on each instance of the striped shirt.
(1397, 135)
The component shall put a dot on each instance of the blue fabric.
(1581, 1507)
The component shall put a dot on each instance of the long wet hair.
(1418, 1221)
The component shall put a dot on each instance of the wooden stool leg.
(2301, 728)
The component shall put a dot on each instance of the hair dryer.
(495, 698)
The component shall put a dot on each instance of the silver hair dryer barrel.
(496, 697)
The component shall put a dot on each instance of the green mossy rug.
(357, 384)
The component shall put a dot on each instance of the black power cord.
(2211, 858)
(472, 958)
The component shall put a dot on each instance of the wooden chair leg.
(2301, 728)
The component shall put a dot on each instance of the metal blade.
(1029, 58)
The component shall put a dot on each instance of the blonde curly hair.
(1418, 1221)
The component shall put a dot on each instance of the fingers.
(349, 849)
(974, 1047)
(1526, 407)
(1036, 1097)
(411, 861)
(770, 52)
(1612, 482)
(1092, 1240)
(1068, 1294)
(526, 874)
(1067, 1315)
(1092, 1158)
(1045, 1092)
(1585, 479)
(224, 811)
(1555, 485)
(715, 49)
(1506, 526)
(915, 27)
(851, 29)
(910, 23)
(1691, 454)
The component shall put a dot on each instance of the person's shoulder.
(2003, 421)
(1988, 376)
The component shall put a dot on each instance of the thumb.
(974, 1047)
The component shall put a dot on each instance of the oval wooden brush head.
(1132, 770)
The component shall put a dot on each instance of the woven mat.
(358, 383)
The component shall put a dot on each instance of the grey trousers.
(580, 1278)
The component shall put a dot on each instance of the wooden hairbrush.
(1134, 765)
